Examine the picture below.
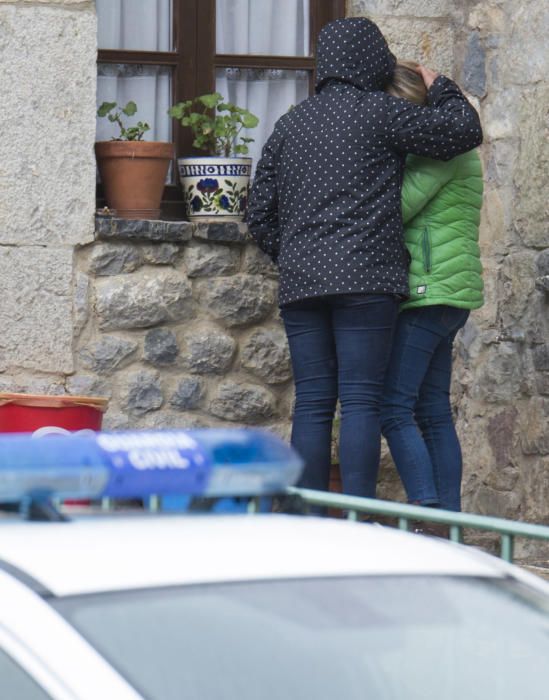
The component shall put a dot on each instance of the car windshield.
(384, 638)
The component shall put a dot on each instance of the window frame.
(194, 62)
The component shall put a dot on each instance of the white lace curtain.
(275, 27)
(144, 25)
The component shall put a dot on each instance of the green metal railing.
(507, 530)
(404, 514)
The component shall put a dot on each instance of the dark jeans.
(416, 415)
(340, 347)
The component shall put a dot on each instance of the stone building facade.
(180, 327)
(496, 49)
(177, 324)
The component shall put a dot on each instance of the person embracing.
(325, 206)
(441, 204)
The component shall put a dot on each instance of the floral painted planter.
(215, 188)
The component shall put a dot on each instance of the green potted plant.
(133, 171)
(215, 186)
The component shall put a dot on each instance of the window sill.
(111, 228)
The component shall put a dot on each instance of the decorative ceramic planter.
(133, 174)
(215, 188)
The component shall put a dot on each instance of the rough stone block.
(489, 501)
(474, 66)
(167, 420)
(501, 433)
(501, 162)
(160, 253)
(504, 478)
(500, 111)
(160, 347)
(81, 302)
(542, 284)
(488, 19)
(115, 419)
(209, 260)
(534, 436)
(493, 232)
(256, 262)
(142, 300)
(542, 262)
(542, 384)
(266, 354)
(410, 8)
(516, 285)
(88, 385)
(248, 403)
(541, 357)
(36, 310)
(115, 259)
(47, 169)
(238, 300)
(107, 354)
(188, 395)
(109, 228)
(527, 45)
(535, 479)
(223, 232)
(501, 378)
(531, 210)
(428, 41)
(30, 384)
(209, 352)
(143, 392)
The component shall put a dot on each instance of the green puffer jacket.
(441, 204)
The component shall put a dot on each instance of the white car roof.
(97, 553)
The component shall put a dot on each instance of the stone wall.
(497, 51)
(180, 327)
(47, 177)
(178, 324)
(503, 374)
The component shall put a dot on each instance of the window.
(257, 54)
(16, 683)
(381, 637)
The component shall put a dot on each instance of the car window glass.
(385, 638)
(16, 684)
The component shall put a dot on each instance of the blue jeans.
(416, 415)
(340, 347)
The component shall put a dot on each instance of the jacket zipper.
(426, 247)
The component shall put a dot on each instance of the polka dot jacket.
(325, 202)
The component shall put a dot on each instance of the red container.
(26, 413)
(43, 415)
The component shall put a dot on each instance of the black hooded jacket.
(325, 203)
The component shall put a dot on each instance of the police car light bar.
(208, 462)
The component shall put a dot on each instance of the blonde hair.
(407, 83)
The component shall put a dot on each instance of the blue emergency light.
(208, 463)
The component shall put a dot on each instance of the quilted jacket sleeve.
(262, 215)
(423, 179)
(446, 128)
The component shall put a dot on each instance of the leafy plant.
(131, 133)
(216, 127)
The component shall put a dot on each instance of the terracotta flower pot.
(215, 187)
(133, 174)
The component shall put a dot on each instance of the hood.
(354, 51)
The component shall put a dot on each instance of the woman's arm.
(423, 179)
(446, 128)
(262, 215)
